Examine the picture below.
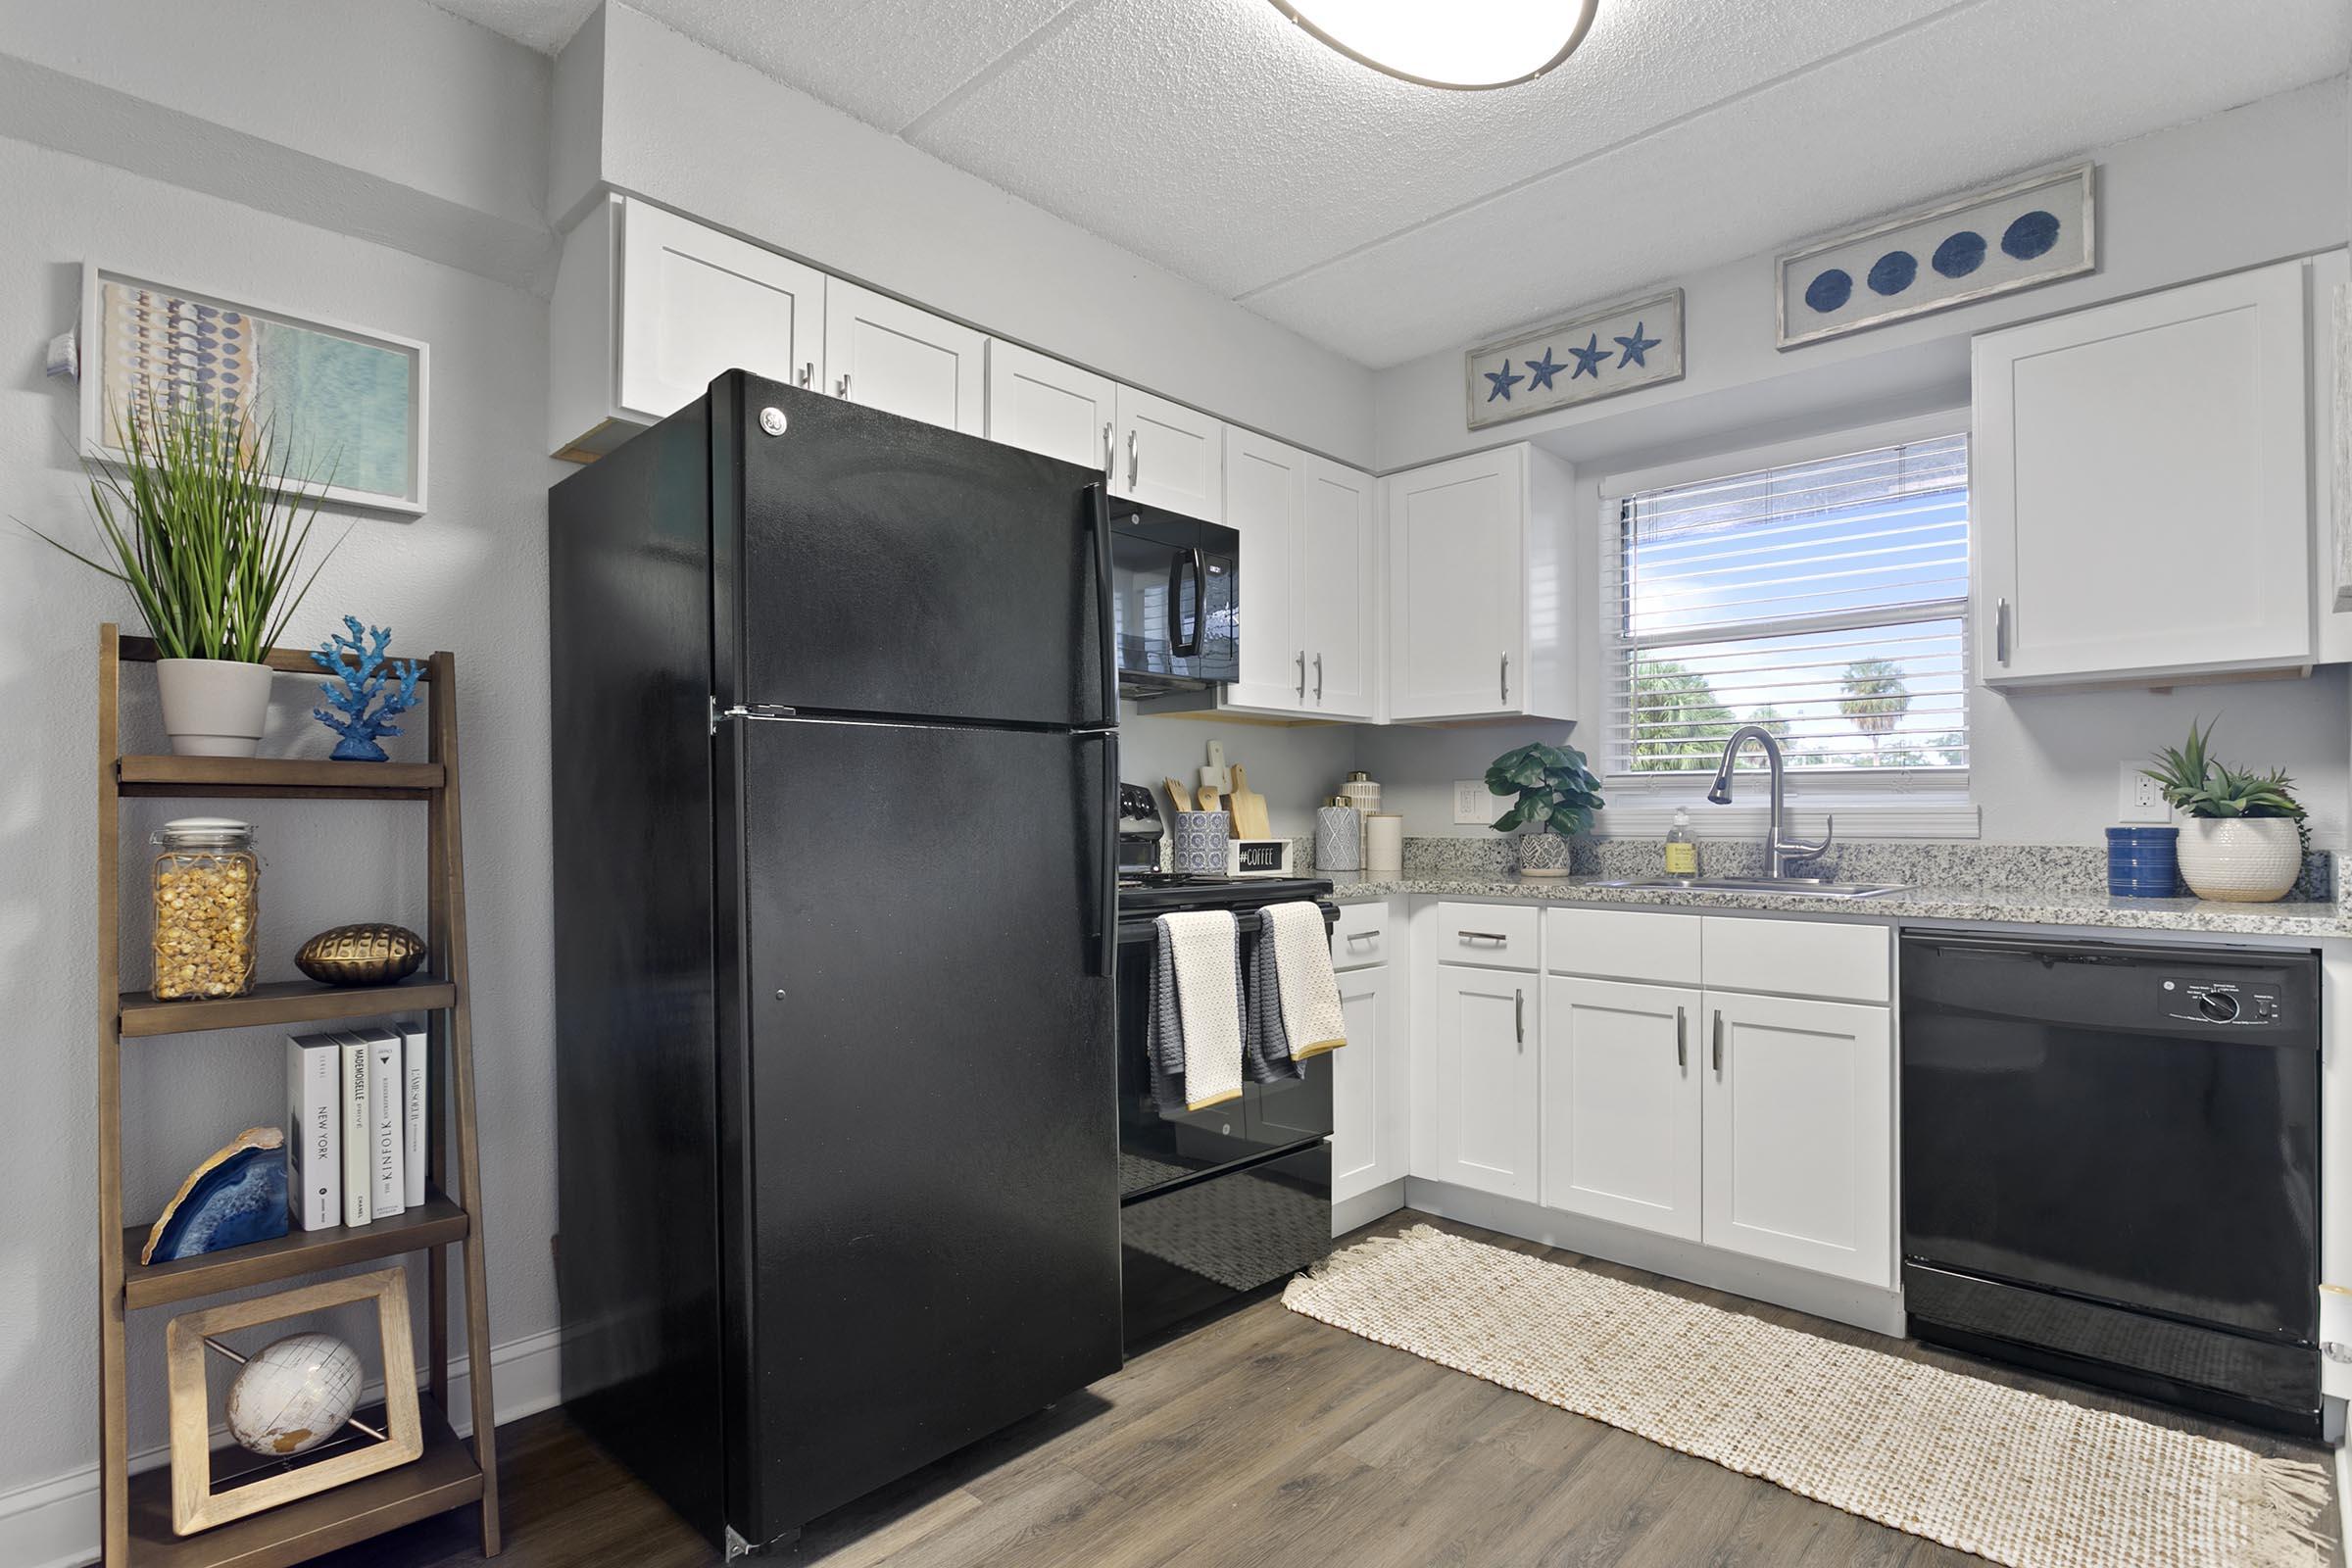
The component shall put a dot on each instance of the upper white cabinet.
(1166, 454)
(1482, 588)
(1338, 597)
(1621, 1104)
(888, 355)
(1040, 404)
(649, 307)
(1487, 1131)
(1266, 503)
(1799, 1134)
(2140, 487)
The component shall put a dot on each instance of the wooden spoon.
(1178, 796)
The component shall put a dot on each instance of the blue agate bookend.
(358, 661)
(235, 1197)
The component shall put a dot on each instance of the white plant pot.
(214, 707)
(2240, 860)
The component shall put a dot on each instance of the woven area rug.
(2020, 1478)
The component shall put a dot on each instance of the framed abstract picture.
(347, 406)
(2018, 235)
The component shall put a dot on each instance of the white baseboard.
(54, 1524)
(1840, 1300)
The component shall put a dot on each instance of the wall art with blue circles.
(2017, 235)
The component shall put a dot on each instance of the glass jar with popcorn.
(207, 908)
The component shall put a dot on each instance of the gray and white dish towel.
(1209, 1026)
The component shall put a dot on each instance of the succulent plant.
(2194, 783)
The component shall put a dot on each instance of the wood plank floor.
(1263, 1437)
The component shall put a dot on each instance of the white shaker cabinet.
(1798, 1133)
(888, 355)
(1368, 1118)
(1041, 403)
(1266, 503)
(1482, 587)
(1487, 1055)
(1166, 454)
(649, 307)
(1622, 1079)
(2140, 487)
(1338, 595)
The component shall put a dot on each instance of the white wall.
(2252, 185)
(686, 126)
(469, 576)
(1293, 766)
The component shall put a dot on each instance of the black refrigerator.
(835, 784)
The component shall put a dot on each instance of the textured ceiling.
(1388, 220)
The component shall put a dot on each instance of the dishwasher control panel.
(2197, 999)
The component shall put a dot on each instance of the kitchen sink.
(1794, 887)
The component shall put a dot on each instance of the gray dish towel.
(1265, 1047)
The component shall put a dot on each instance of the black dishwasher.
(2111, 1166)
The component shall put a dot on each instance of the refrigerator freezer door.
(889, 566)
(929, 1094)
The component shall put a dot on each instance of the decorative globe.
(295, 1395)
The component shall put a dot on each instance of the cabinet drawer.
(1361, 937)
(1623, 945)
(1836, 958)
(1491, 934)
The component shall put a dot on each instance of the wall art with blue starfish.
(2017, 235)
(1597, 354)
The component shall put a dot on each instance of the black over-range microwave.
(1176, 603)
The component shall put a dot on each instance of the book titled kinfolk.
(315, 1131)
(359, 1183)
(387, 1123)
(415, 1055)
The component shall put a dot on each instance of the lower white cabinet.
(1489, 1133)
(1621, 1085)
(1367, 1087)
(1799, 1126)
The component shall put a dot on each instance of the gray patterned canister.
(1201, 841)
(1338, 837)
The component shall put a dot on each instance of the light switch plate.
(1470, 801)
(2139, 798)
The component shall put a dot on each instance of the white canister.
(1383, 842)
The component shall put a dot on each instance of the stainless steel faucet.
(1778, 851)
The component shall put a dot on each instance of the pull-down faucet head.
(1720, 792)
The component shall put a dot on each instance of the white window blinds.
(1826, 601)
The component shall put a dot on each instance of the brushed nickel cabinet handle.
(1519, 1015)
(1110, 449)
(1682, 1038)
(1318, 681)
(1134, 460)
(1482, 936)
(841, 388)
(1718, 1042)
(807, 373)
(1506, 678)
(1302, 658)
(2000, 632)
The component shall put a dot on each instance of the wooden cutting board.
(1249, 807)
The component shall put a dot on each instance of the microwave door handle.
(1098, 524)
(1180, 645)
(1199, 598)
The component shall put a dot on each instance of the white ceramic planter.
(1542, 854)
(214, 707)
(2240, 860)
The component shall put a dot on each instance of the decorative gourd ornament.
(369, 953)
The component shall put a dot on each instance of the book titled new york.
(388, 1124)
(315, 1131)
(359, 1184)
(413, 1060)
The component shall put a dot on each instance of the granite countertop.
(2292, 917)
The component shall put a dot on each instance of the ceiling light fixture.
(1449, 43)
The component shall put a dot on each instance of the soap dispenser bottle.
(1682, 851)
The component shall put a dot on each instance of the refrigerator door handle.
(1099, 524)
(1106, 847)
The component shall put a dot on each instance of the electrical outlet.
(1470, 801)
(2138, 797)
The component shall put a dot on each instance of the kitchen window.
(1823, 597)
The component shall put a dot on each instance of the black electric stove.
(1214, 1203)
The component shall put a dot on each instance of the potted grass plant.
(200, 522)
(1557, 796)
(2245, 834)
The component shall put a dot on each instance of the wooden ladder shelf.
(453, 1472)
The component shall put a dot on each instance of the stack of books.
(356, 1124)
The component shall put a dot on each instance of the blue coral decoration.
(358, 661)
